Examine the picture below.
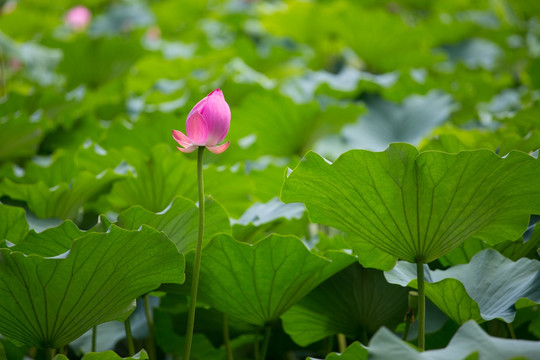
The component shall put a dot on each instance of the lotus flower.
(207, 124)
(78, 17)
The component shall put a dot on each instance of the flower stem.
(227, 338)
(266, 341)
(151, 332)
(198, 252)
(421, 306)
(129, 337)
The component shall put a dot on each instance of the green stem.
(49, 353)
(421, 306)
(151, 332)
(198, 252)
(328, 345)
(266, 341)
(406, 331)
(129, 337)
(94, 338)
(365, 337)
(256, 345)
(511, 330)
(342, 342)
(2, 76)
(227, 338)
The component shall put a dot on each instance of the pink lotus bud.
(78, 17)
(15, 64)
(153, 33)
(207, 124)
(8, 7)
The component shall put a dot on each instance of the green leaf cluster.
(365, 135)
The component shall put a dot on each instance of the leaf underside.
(418, 207)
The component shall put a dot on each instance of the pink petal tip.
(181, 139)
(189, 149)
(219, 148)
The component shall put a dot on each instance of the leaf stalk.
(129, 337)
(421, 306)
(151, 332)
(94, 338)
(266, 341)
(227, 338)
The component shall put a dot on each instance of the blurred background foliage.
(86, 113)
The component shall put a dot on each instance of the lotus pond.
(356, 179)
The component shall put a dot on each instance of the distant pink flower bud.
(78, 17)
(153, 33)
(15, 64)
(8, 7)
(207, 124)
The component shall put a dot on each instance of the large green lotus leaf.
(464, 253)
(263, 219)
(95, 61)
(369, 255)
(258, 282)
(171, 342)
(65, 200)
(474, 53)
(415, 206)
(180, 221)
(39, 22)
(513, 250)
(168, 173)
(49, 302)
(355, 351)
(453, 140)
(387, 122)
(2, 352)
(342, 85)
(149, 129)
(467, 87)
(64, 165)
(450, 296)
(469, 340)
(486, 288)
(38, 64)
(354, 301)
(110, 333)
(50, 242)
(521, 131)
(280, 127)
(409, 47)
(107, 355)
(263, 213)
(20, 137)
(13, 225)
(71, 166)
